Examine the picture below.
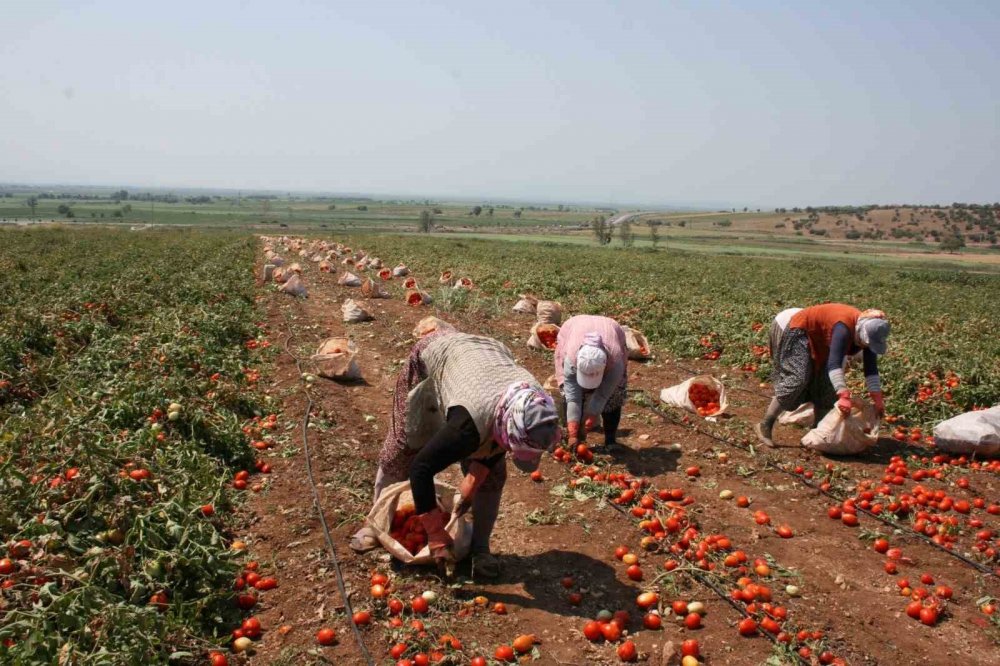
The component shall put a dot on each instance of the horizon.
(688, 106)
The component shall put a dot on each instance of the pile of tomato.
(705, 399)
(408, 530)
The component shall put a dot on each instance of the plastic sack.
(294, 286)
(280, 275)
(680, 395)
(349, 280)
(804, 416)
(335, 359)
(410, 283)
(429, 325)
(463, 283)
(379, 520)
(549, 312)
(375, 263)
(543, 336)
(970, 433)
(354, 313)
(385, 274)
(844, 436)
(445, 277)
(637, 344)
(325, 266)
(416, 298)
(349, 261)
(526, 304)
(372, 289)
(400, 271)
(268, 273)
(296, 268)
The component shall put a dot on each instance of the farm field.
(175, 317)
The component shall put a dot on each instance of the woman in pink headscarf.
(591, 357)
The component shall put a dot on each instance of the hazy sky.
(753, 103)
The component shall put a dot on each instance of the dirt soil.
(845, 592)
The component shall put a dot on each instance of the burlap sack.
(416, 298)
(268, 272)
(543, 336)
(385, 274)
(379, 520)
(296, 268)
(637, 344)
(843, 436)
(410, 283)
(372, 289)
(973, 433)
(549, 312)
(335, 359)
(349, 261)
(803, 416)
(325, 266)
(445, 278)
(280, 275)
(428, 325)
(294, 286)
(354, 313)
(678, 395)
(463, 283)
(349, 279)
(375, 263)
(527, 304)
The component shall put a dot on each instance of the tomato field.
(166, 445)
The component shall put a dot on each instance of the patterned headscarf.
(523, 408)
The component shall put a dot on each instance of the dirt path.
(543, 538)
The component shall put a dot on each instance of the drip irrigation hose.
(319, 508)
(651, 405)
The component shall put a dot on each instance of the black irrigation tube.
(319, 508)
(651, 405)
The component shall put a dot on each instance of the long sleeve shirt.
(842, 345)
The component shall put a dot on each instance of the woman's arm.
(572, 392)
(612, 378)
(840, 343)
(456, 440)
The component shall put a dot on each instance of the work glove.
(470, 484)
(879, 401)
(438, 540)
(575, 436)
(844, 404)
(590, 423)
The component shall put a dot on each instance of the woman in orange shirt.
(809, 364)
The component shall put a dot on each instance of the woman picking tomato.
(491, 406)
(810, 360)
(590, 368)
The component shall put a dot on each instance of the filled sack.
(400, 271)
(416, 298)
(397, 528)
(325, 266)
(372, 289)
(526, 305)
(294, 286)
(445, 277)
(543, 336)
(703, 395)
(429, 325)
(349, 279)
(637, 344)
(463, 283)
(354, 313)
(844, 436)
(335, 359)
(268, 272)
(803, 416)
(296, 268)
(976, 433)
(548, 312)
(280, 274)
(410, 283)
(385, 274)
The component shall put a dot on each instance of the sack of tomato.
(543, 336)
(703, 395)
(395, 524)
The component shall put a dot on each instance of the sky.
(753, 103)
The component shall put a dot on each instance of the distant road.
(615, 221)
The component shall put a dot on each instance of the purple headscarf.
(523, 408)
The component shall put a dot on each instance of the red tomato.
(627, 651)
(913, 609)
(326, 637)
(218, 659)
(929, 615)
(567, 582)
(692, 621)
(634, 572)
(398, 650)
(504, 653)
(881, 545)
(747, 627)
(611, 632)
(652, 621)
(693, 471)
(690, 648)
(592, 631)
(362, 618)
(785, 532)
(478, 661)
(620, 552)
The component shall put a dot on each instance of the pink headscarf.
(523, 408)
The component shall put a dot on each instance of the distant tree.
(654, 232)
(489, 212)
(362, 207)
(32, 203)
(477, 210)
(599, 225)
(62, 209)
(625, 234)
(517, 213)
(437, 211)
(426, 222)
(952, 243)
(127, 208)
(332, 207)
(120, 195)
(116, 213)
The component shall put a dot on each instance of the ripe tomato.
(6, 566)
(378, 591)
(574, 598)
(419, 605)
(679, 607)
(478, 661)
(913, 609)
(362, 618)
(693, 470)
(652, 621)
(620, 552)
(218, 659)
(627, 651)
(690, 648)
(881, 545)
(747, 627)
(647, 600)
(246, 601)
(500, 608)
(524, 643)
(850, 519)
(611, 632)
(692, 621)
(592, 631)
(208, 511)
(634, 572)
(567, 582)
(785, 532)
(504, 653)
(943, 591)
(326, 637)
(398, 650)
(929, 615)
